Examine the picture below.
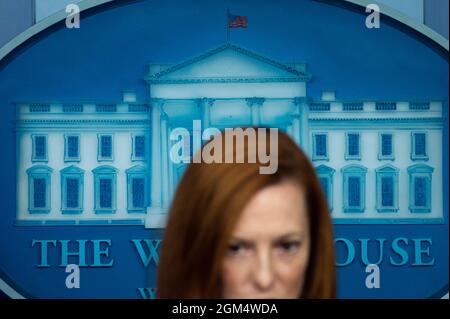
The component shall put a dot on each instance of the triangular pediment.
(387, 168)
(228, 63)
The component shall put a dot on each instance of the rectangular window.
(72, 146)
(354, 192)
(106, 108)
(320, 145)
(72, 108)
(319, 106)
(139, 146)
(387, 191)
(353, 145)
(72, 195)
(386, 144)
(353, 106)
(105, 193)
(39, 148)
(420, 144)
(39, 192)
(420, 191)
(39, 107)
(383, 106)
(138, 192)
(419, 106)
(105, 147)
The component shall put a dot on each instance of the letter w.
(150, 253)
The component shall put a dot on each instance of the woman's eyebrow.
(237, 240)
(291, 235)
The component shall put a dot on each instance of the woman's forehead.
(275, 210)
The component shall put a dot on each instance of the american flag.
(235, 21)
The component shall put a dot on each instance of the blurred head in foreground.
(233, 232)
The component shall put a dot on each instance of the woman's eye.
(235, 249)
(289, 247)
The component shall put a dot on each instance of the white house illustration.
(97, 163)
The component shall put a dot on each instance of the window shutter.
(354, 196)
(105, 193)
(72, 192)
(106, 146)
(386, 144)
(420, 191)
(387, 191)
(139, 146)
(420, 144)
(39, 196)
(321, 145)
(353, 143)
(72, 147)
(138, 192)
(40, 146)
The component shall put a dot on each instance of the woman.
(233, 232)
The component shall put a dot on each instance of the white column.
(296, 118)
(255, 115)
(165, 162)
(171, 168)
(205, 105)
(155, 216)
(303, 109)
(255, 104)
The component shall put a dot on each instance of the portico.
(226, 87)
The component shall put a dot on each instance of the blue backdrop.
(111, 52)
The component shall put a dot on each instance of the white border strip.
(10, 292)
(44, 24)
(14, 43)
(87, 4)
(409, 21)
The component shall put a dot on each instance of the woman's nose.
(263, 271)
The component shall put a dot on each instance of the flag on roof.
(236, 21)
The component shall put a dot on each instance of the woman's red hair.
(207, 204)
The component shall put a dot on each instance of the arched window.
(72, 181)
(39, 189)
(387, 188)
(105, 189)
(420, 176)
(137, 189)
(354, 186)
